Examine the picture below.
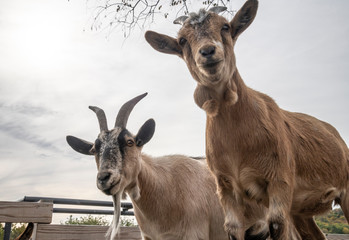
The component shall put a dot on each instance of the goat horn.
(217, 9)
(125, 110)
(101, 118)
(180, 20)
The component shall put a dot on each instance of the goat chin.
(114, 227)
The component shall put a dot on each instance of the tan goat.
(173, 196)
(292, 164)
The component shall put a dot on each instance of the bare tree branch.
(128, 14)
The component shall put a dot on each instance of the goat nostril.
(207, 51)
(103, 177)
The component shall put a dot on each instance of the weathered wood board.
(24, 212)
(82, 232)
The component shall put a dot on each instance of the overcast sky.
(52, 67)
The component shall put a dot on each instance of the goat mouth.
(112, 188)
(210, 68)
(210, 64)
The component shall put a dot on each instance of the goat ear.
(145, 133)
(80, 145)
(244, 17)
(163, 43)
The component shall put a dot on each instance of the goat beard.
(114, 227)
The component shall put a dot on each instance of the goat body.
(293, 165)
(173, 196)
(177, 200)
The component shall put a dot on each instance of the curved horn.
(217, 9)
(101, 118)
(180, 20)
(125, 110)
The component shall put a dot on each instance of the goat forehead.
(112, 144)
(197, 18)
(111, 149)
(202, 26)
(109, 138)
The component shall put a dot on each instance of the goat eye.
(130, 142)
(225, 27)
(182, 41)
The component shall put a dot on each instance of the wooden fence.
(40, 213)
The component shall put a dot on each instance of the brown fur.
(292, 164)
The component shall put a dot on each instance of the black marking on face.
(107, 150)
(108, 153)
(122, 141)
(97, 145)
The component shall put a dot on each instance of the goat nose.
(103, 177)
(207, 51)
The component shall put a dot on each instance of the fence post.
(7, 233)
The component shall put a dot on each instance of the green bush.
(16, 230)
(127, 221)
(333, 222)
(99, 220)
(89, 220)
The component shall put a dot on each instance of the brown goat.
(292, 164)
(173, 196)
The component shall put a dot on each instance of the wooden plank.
(82, 232)
(337, 236)
(24, 212)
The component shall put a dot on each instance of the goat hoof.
(258, 231)
(259, 236)
(231, 237)
(276, 230)
(234, 231)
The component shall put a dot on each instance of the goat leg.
(280, 224)
(307, 228)
(233, 209)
